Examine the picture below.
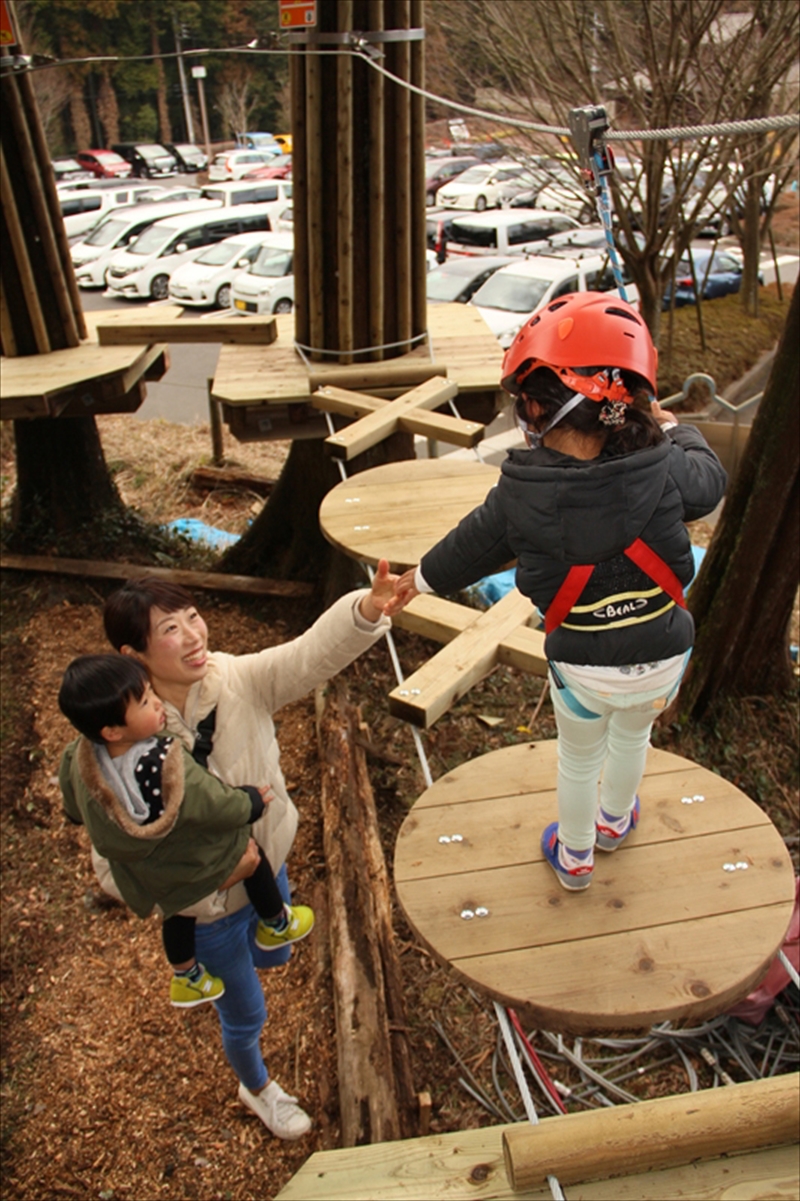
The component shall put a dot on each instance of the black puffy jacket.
(550, 511)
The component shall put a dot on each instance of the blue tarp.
(198, 531)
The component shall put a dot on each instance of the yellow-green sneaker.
(185, 993)
(300, 923)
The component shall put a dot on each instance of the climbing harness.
(623, 609)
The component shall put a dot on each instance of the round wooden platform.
(400, 510)
(678, 924)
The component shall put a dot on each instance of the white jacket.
(246, 691)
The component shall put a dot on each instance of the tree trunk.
(63, 483)
(285, 541)
(164, 126)
(108, 110)
(79, 115)
(376, 1091)
(743, 598)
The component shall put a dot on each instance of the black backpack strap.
(204, 741)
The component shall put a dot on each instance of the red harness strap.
(659, 571)
(568, 594)
(578, 577)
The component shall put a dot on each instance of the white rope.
(522, 1085)
(790, 968)
(300, 347)
(390, 642)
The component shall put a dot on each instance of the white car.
(515, 293)
(206, 279)
(267, 286)
(115, 231)
(233, 164)
(143, 269)
(484, 186)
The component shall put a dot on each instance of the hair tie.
(612, 412)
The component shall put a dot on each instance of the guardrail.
(729, 448)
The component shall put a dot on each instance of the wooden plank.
(240, 331)
(119, 391)
(432, 617)
(277, 374)
(444, 679)
(660, 1133)
(420, 855)
(400, 510)
(443, 427)
(639, 890)
(469, 1163)
(213, 581)
(374, 427)
(46, 375)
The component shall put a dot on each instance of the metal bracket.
(356, 39)
(588, 126)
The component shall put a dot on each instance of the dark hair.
(639, 430)
(126, 613)
(97, 689)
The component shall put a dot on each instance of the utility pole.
(187, 108)
(199, 73)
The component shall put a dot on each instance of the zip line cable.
(363, 50)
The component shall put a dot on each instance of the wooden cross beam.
(476, 642)
(376, 419)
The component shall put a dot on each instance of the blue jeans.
(227, 949)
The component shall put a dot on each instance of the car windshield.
(516, 293)
(271, 262)
(221, 253)
(151, 240)
(106, 233)
(108, 156)
(152, 151)
(475, 175)
(473, 235)
(446, 285)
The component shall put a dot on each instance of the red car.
(105, 164)
(279, 168)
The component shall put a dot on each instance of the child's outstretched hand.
(404, 591)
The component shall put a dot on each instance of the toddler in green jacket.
(172, 832)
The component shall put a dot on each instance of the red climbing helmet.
(583, 329)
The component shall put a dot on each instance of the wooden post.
(377, 194)
(401, 58)
(300, 195)
(653, 1134)
(215, 421)
(313, 284)
(344, 181)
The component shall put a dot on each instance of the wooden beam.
(468, 1164)
(211, 580)
(376, 426)
(445, 678)
(396, 373)
(654, 1134)
(243, 331)
(441, 426)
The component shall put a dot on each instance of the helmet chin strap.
(534, 438)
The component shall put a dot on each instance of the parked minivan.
(147, 158)
(504, 231)
(82, 208)
(115, 231)
(142, 270)
(249, 192)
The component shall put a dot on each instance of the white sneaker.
(279, 1112)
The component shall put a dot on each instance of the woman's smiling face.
(177, 648)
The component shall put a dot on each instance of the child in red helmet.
(593, 511)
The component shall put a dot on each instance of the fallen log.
(376, 1092)
(213, 580)
(207, 478)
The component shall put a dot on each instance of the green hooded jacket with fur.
(178, 859)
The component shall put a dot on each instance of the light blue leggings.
(610, 747)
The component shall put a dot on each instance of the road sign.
(8, 35)
(297, 13)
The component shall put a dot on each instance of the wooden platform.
(400, 510)
(456, 1167)
(679, 924)
(80, 381)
